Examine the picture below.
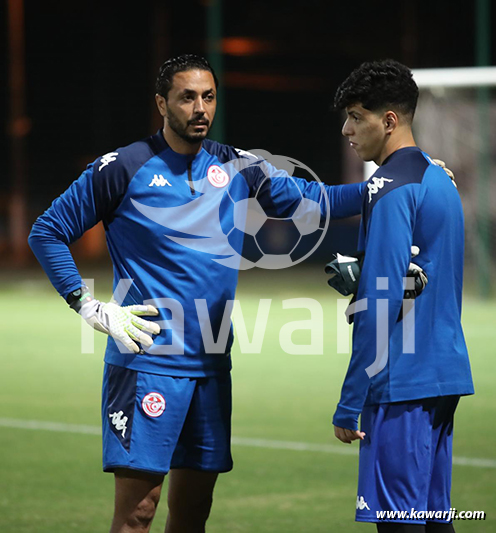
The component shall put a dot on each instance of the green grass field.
(51, 481)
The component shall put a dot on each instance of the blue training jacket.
(152, 200)
(408, 201)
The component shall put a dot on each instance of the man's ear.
(390, 121)
(161, 104)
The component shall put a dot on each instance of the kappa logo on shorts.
(119, 421)
(217, 177)
(153, 404)
(361, 504)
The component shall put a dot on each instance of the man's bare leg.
(190, 499)
(136, 498)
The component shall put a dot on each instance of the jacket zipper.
(190, 179)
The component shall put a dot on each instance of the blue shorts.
(406, 459)
(153, 423)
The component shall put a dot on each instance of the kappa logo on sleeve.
(375, 185)
(245, 153)
(107, 159)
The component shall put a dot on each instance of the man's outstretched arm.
(280, 194)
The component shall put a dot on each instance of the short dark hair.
(377, 85)
(180, 64)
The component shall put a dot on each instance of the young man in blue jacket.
(409, 365)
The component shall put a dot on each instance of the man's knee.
(190, 499)
(136, 499)
(144, 512)
(195, 509)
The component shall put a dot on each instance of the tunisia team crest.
(153, 404)
(217, 177)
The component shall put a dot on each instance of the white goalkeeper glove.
(122, 323)
(442, 164)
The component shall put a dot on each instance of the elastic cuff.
(77, 298)
(346, 418)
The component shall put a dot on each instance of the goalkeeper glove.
(442, 164)
(345, 274)
(122, 323)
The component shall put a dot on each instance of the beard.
(181, 129)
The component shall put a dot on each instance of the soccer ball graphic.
(221, 219)
(277, 242)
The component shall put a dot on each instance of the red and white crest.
(217, 177)
(153, 404)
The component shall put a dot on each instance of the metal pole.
(19, 126)
(483, 58)
(214, 55)
(160, 31)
